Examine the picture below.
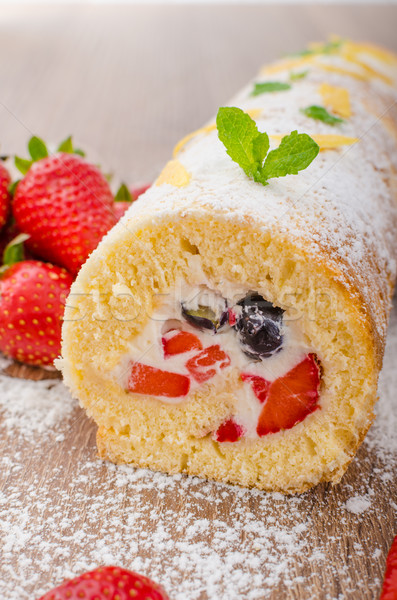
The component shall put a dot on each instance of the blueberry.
(204, 317)
(258, 326)
(208, 310)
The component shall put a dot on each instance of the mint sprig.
(269, 86)
(327, 48)
(319, 113)
(296, 75)
(249, 148)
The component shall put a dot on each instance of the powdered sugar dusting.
(358, 504)
(62, 512)
(33, 407)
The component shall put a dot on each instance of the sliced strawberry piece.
(288, 399)
(229, 431)
(389, 590)
(178, 342)
(148, 380)
(232, 318)
(199, 366)
(259, 385)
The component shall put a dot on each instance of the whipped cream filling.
(147, 347)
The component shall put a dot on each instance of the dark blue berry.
(204, 317)
(258, 326)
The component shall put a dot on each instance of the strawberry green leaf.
(37, 148)
(123, 194)
(79, 152)
(237, 131)
(14, 251)
(22, 164)
(66, 146)
(319, 113)
(269, 86)
(13, 186)
(295, 152)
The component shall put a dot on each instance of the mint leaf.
(37, 148)
(123, 194)
(260, 147)
(237, 131)
(269, 86)
(66, 146)
(297, 76)
(22, 164)
(320, 114)
(327, 48)
(295, 152)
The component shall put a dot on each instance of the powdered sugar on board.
(62, 512)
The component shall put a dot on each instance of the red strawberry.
(120, 208)
(177, 342)
(65, 204)
(199, 366)
(125, 197)
(32, 298)
(288, 399)
(5, 181)
(229, 431)
(148, 380)
(389, 590)
(108, 583)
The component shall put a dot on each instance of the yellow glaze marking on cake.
(286, 65)
(175, 174)
(326, 142)
(252, 112)
(369, 71)
(337, 99)
(180, 145)
(342, 71)
(375, 51)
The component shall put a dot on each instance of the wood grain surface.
(129, 82)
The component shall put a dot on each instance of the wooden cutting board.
(129, 82)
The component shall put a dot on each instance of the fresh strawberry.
(229, 431)
(288, 399)
(64, 203)
(5, 181)
(120, 208)
(144, 379)
(32, 298)
(108, 583)
(178, 342)
(205, 365)
(125, 197)
(389, 590)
